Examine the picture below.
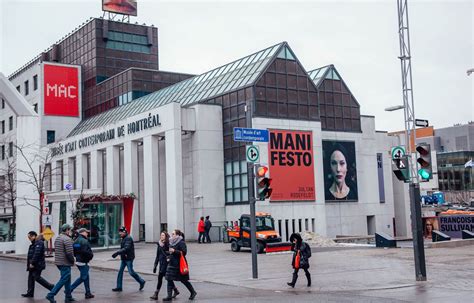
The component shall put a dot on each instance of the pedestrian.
(177, 250)
(207, 228)
(35, 264)
(301, 251)
(127, 255)
(64, 260)
(84, 254)
(201, 230)
(162, 252)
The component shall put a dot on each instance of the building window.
(3, 152)
(35, 107)
(3, 126)
(62, 213)
(10, 149)
(18, 89)
(128, 42)
(27, 88)
(35, 82)
(3, 103)
(236, 182)
(50, 136)
(10, 123)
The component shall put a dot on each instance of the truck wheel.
(234, 246)
(260, 247)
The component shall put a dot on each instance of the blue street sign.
(250, 134)
(68, 186)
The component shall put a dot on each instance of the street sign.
(48, 220)
(421, 123)
(45, 210)
(48, 234)
(68, 186)
(398, 152)
(253, 154)
(250, 134)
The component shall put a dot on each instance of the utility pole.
(409, 113)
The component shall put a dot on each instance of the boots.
(293, 281)
(169, 297)
(175, 293)
(308, 277)
(155, 295)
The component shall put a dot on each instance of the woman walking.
(162, 248)
(177, 249)
(301, 255)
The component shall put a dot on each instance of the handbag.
(297, 259)
(183, 265)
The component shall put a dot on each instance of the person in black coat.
(162, 252)
(207, 229)
(305, 253)
(127, 255)
(177, 248)
(35, 264)
(83, 253)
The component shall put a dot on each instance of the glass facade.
(452, 175)
(103, 220)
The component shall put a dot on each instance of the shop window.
(62, 213)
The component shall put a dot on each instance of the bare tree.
(8, 190)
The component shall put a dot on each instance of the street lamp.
(394, 108)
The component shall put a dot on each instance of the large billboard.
(124, 7)
(290, 154)
(453, 225)
(61, 90)
(340, 171)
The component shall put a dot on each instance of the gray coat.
(64, 251)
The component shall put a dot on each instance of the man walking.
(207, 228)
(64, 260)
(35, 264)
(83, 253)
(127, 255)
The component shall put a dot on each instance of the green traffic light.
(424, 174)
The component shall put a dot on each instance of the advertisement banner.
(124, 7)
(453, 225)
(290, 157)
(61, 90)
(340, 173)
(429, 224)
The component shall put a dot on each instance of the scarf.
(174, 240)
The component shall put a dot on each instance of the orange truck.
(268, 240)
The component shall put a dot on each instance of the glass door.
(114, 221)
(103, 220)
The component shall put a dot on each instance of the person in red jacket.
(201, 230)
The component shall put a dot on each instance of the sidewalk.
(333, 270)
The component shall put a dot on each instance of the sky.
(359, 37)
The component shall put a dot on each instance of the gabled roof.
(230, 77)
(325, 72)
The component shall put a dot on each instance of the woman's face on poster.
(338, 166)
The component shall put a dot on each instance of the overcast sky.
(359, 37)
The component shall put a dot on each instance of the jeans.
(35, 275)
(83, 278)
(206, 236)
(129, 265)
(65, 281)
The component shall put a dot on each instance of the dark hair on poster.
(340, 171)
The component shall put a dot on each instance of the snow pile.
(316, 240)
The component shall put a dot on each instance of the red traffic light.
(262, 171)
(423, 149)
(264, 182)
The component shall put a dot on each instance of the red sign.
(290, 154)
(61, 90)
(124, 7)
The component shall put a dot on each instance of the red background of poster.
(58, 104)
(291, 183)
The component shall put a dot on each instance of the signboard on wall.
(453, 225)
(291, 162)
(61, 90)
(124, 7)
(340, 173)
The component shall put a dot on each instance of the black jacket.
(207, 225)
(127, 249)
(305, 254)
(172, 272)
(36, 255)
(82, 250)
(161, 257)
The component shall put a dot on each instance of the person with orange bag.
(201, 230)
(301, 255)
(178, 269)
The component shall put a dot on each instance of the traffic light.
(401, 168)
(424, 159)
(263, 183)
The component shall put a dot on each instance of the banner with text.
(453, 225)
(291, 165)
(61, 90)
